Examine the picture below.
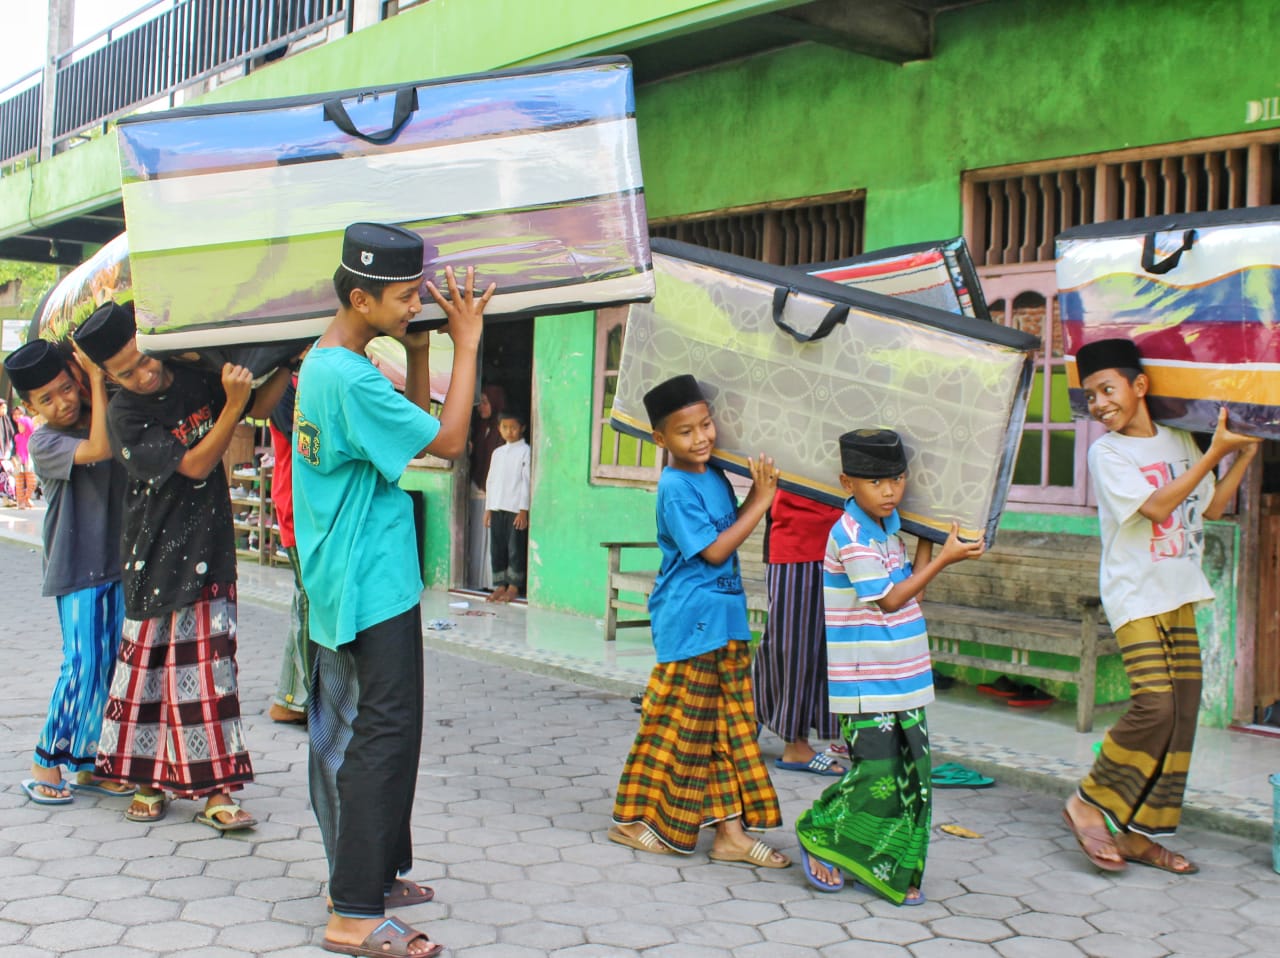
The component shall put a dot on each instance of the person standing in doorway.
(506, 513)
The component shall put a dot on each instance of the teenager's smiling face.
(58, 401)
(1115, 402)
(689, 435)
(137, 372)
(391, 313)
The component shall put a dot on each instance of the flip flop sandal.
(758, 854)
(1001, 688)
(646, 841)
(99, 786)
(1031, 698)
(838, 748)
(1097, 837)
(392, 937)
(151, 801)
(405, 893)
(813, 879)
(957, 776)
(30, 786)
(210, 817)
(1157, 856)
(819, 765)
(909, 902)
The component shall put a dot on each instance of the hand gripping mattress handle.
(406, 104)
(1169, 262)
(835, 315)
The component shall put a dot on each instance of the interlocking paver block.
(1119, 946)
(544, 935)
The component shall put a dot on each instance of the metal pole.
(61, 31)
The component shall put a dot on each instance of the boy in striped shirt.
(874, 822)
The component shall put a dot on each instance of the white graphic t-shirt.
(1148, 568)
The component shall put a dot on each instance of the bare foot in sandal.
(1089, 827)
(375, 936)
(1138, 848)
(147, 806)
(733, 844)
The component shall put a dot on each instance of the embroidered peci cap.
(385, 254)
(872, 454)
(34, 364)
(108, 330)
(1107, 354)
(671, 395)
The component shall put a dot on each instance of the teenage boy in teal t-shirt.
(353, 438)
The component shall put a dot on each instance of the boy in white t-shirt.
(1154, 489)
(506, 509)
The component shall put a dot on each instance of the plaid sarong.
(1140, 774)
(173, 718)
(695, 760)
(874, 822)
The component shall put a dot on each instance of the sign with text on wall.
(13, 333)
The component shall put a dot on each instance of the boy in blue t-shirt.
(695, 761)
(353, 438)
(84, 489)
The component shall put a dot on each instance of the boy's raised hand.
(97, 376)
(956, 549)
(464, 310)
(237, 383)
(764, 481)
(1227, 441)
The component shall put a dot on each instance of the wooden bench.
(1032, 593)
(638, 583)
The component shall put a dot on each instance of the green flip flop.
(952, 775)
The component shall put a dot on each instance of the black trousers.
(365, 722)
(508, 548)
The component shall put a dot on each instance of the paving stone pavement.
(514, 795)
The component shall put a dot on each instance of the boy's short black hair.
(345, 282)
(513, 414)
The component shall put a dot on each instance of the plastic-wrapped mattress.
(235, 212)
(939, 273)
(790, 362)
(1200, 295)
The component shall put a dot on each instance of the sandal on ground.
(31, 786)
(758, 854)
(210, 817)
(1092, 839)
(149, 802)
(392, 937)
(819, 765)
(646, 841)
(910, 901)
(952, 775)
(839, 749)
(103, 786)
(1157, 856)
(813, 879)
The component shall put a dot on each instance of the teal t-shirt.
(353, 437)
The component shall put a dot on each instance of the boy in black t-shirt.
(173, 719)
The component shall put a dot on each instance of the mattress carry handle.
(406, 104)
(835, 315)
(1169, 262)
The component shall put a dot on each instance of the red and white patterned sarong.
(173, 718)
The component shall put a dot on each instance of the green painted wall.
(569, 518)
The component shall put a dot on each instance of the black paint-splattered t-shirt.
(178, 537)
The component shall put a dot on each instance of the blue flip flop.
(29, 786)
(98, 788)
(813, 879)
(908, 902)
(818, 765)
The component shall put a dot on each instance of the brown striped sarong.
(172, 721)
(695, 760)
(1140, 774)
(789, 673)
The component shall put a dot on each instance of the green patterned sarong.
(874, 822)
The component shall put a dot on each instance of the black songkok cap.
(872, 454)
(666, 397)
(34, 364)
(108, 330)
(385, 254)
(1107, 354)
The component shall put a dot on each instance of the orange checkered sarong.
(695, 760)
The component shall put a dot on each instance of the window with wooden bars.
(788, 233)
(1011, 218)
